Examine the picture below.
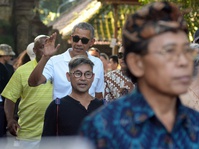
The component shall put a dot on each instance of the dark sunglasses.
(120, 55)
(84, 40)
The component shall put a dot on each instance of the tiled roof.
(99, 15)
(82, 12)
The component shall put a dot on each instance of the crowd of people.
(146, 96)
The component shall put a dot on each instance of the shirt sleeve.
(51, 120)
(48, 70)
(96, 132)
(14, 87)
(88, 130)
(107, 92)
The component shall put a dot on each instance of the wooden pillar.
(115, 13)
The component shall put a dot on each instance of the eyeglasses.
(173, 55)
(84, 40)
(78, 74)
(120, 55)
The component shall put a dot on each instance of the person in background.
(64, 117)
(117, 83)
(105, 60)
(6, 71)
(30, 50)
(158, 56)
(191, 98)
(54, 68)
(21, 59)
(113, 62)
(94, 52)
(33, 103)
(25, 56)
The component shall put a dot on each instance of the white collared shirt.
(56, 68)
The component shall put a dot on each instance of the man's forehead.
(82, 67)
(82, 32)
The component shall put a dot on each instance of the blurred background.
(22, 20)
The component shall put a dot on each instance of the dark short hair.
(94, 49)
(38, 40)
(79, 60)
(84, 26)
(114, 58)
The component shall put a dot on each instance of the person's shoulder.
(66, 101)
(60, 57)
(27, 66)
(191, 113)
(111, 73)
(108, 108)
(192, 117)
(98, 101)
(58, 101)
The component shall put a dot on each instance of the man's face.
(7, 58)
(39, 47)
(112, 64)
(168, 66)
(121, 58)
(81, 78)
(78, 42)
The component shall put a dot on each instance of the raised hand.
(49, 46)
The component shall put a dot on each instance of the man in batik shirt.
(158, 55)
(117, 83)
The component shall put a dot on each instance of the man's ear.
(68, 76)
(135, 64)
(92, 42)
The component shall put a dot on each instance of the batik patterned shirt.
(116, 85)
(130, 123)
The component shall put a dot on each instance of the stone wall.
(19, 24)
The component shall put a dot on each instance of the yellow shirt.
(33, 104)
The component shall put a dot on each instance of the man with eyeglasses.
(63, 116)
(54, 68)
(117, 83)
(158, 56)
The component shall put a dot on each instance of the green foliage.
(48, 10)
(6, 32)
(50, 5)
(104, 17)
(192, 17)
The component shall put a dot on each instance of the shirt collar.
(34, 62)
(142, 110)
(67, 56)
